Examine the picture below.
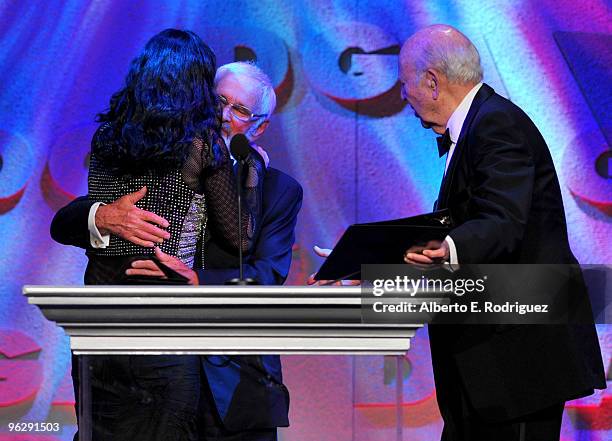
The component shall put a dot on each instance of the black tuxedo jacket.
(503, 193)
(247, 390)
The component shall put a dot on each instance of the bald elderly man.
(494, 383)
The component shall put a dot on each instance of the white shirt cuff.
(452, 250)
(95, 238)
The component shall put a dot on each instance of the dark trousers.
(212, 429)
(462, 422)
(145, 398)
(156, 398)
(544, 425)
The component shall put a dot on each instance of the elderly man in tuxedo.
(242, 398)
(494, 382)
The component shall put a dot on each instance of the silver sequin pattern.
(193, 227)
(167, 196)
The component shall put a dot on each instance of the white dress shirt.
(95, 238)
(454, 126)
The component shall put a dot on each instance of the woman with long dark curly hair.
(162, 132)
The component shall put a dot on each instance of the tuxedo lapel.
(483, 94)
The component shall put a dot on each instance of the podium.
(152, 320)
(230, 320)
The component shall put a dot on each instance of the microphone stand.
(240, 280)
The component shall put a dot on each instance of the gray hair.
(266, 101)
(447, 50)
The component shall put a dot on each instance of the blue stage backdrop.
(341, 130)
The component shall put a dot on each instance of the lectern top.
(191, 291)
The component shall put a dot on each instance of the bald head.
(438, 66)
(445, 49)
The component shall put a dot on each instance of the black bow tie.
(444, 143)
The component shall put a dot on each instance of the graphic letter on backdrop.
(355, 65)
(20, 377)
(16, 166)
(65, 174)
(587, 162)
(246, 43)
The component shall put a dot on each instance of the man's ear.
(433, 83)
(260, 130)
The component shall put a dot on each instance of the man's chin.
(426, 125)
(436, 128)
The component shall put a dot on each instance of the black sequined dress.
(157, 398)
(193, 198)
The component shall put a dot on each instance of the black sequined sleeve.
(221, 196)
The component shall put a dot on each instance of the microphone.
(240, 147)
(240, 150)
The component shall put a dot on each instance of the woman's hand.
(150, 268)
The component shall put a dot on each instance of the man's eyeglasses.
(239, 111)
